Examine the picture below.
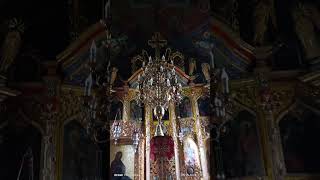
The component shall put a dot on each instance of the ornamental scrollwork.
(71, 105)
(245, 95)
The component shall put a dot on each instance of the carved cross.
(157, 43)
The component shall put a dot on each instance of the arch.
(78, 147)
(242, 108)
(70, 119)
(29, 135)
(297, 134)
(241, 146)
(33, 123)
(285, 112)
(295, 105)
(191, 152)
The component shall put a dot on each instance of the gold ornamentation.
(245, 95)
(178, 59)
(70, 106)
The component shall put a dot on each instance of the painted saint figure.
(118, 169)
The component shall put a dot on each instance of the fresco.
(184, 109)
(204, 106)
(136, 112)
(191, 153)
(80, 155)
(116, 109)
(241, 147)
(297, 137)
(122, 162)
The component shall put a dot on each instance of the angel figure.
(264, 12)
(11, 45)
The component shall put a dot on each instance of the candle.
(225, 81)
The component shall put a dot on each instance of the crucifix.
(157, 43)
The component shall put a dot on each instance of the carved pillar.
(272, 135)
(148, 138)
(49, 152)
(202, 152)
(174, 136)
(52, 83)
(141, 159)
(126, 104)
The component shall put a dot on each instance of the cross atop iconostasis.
(157, 42)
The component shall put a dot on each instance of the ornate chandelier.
(158, 84)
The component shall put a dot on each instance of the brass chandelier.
(158, 84)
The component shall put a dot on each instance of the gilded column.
(141, 159)
(49, 152)
(174, 136)
(276, 166)
(203, 155)
(126, 108)
(50, 120)
(148, 138)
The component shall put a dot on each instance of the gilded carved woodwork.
(245, 95)
(71, 105)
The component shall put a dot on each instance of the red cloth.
(161, 146)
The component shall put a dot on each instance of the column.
(275, 166)
(274, 143)
(49, 152)
(148, 138)
(49, 118)
(126, 109)
(174, 136)
(203, 155)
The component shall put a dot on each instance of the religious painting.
(116, 109)
(191, 154)
(184, 109)
(122, 162)
(20, 151)
(241, 149)
(136, 111)
(204, 106)
(298, 136)
(80, 155)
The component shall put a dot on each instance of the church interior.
(160, 90)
